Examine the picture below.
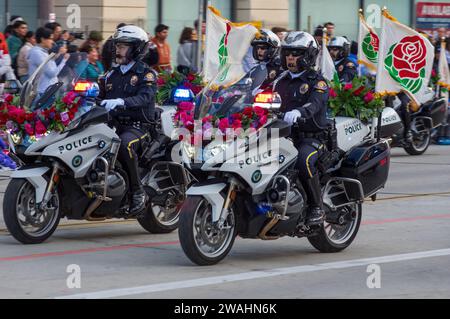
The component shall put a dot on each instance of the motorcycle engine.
(117, 186)
(277, 198)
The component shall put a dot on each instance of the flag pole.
(361, 14)
(199, 35)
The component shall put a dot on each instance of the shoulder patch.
(321, 86)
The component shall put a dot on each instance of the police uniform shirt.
(307, 93)
(274, 70)
(136, 85)
(346, 70)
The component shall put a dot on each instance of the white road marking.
(255, 275)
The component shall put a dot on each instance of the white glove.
(292, 116)
(112, 104)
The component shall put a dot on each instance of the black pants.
(309, 151)
(404, 111)
(131, 148)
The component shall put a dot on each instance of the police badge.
(304, 88)
(134, 80)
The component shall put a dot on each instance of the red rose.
(196, 89)
(348, 87)
(224, 124)
(368, 97)
(160, 82)
(29, 117)
(40, 128)
(333, 93)
(409, 57)
(190, 77)
(237, 124)
(69, 98)
(236, 116)
(8, 98)
(248, 111)
(260, 111)
(374, 41)
(358, 91)
(29, 129)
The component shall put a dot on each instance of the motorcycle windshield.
(224, 101)
(66, 78)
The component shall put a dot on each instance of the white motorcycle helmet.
(271, 41)
(342, 44)
(133, 36)
(301, 44)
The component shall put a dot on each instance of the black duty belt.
(316, 135)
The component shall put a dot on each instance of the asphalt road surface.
(402, 251)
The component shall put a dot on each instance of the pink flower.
(333, 93)
(237, 124)
(348, 86)
(69, 98)
(29, 129)
(160, 81)
(8, 98)
(260, 111)
(207, 119)
(185, 106)
(224, 124)
(65, 118)
(263, 120)
(368, 97)
(40, 128)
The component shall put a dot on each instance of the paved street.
(406, 233)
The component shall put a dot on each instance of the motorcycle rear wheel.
(333, 238)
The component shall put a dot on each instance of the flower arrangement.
(356, 99)
(25, 126)
(167, 82)
(251, 118)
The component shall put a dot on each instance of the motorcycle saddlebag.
(436, 110)
(369, 164)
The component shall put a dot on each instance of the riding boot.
(316, 214)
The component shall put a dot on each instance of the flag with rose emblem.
(405, 60)
(226, 45)
(368, 45)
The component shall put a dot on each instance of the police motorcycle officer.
(339, 48)
(304, 95)
(128, 92)
(266, 52)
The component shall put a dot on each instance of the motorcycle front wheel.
(24, 220)
(204, 242)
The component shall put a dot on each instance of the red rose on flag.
(374, 41)
(409, 57)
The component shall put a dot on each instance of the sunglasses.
(295, 53)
